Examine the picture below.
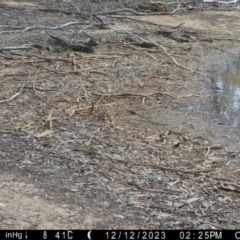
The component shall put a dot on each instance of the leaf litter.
(109, 132)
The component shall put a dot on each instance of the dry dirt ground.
(125, 137)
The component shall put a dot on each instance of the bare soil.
(125, 137)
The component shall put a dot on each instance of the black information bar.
(120, 234)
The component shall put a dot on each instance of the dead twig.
(221, 186)
(95, 104)
(50, 119)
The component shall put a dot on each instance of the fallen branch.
(179, 65)
(164, 49)
(143, 21)
(43, 27)
(15, 48)
(135, 94)
(67, 44)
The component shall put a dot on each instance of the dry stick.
(145, 50)
(14, 96)
(233, 184)
(44, 27)
(31, 61)
(43, 57)
(83, 69)
(190, 171)
(10, 57)
(89, 107)
(159, 45)
(72, 72)
(101, 57)
(136, 13)
(41, 89)
(179, 65)
(95, 104)
(223, 39)
(85, 92)
(109, 56)
(200, 152)
(152, 23)
(93, 25)
(228, 189)
(192, 95)
(113, 12)
(135, 94)
(79, 110)
(50, 119)
(145, 189)
(142, 50)
(117, 159)
(15, 48)
(48, 69)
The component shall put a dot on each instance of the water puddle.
(226, 100)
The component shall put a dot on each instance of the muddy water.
(226, 100)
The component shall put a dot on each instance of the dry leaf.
(45, 133)
(190, 200)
